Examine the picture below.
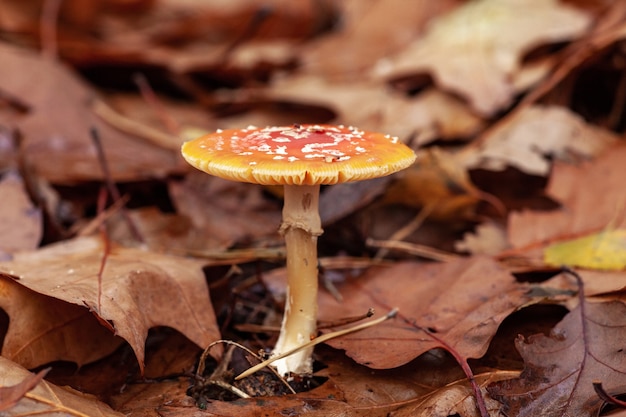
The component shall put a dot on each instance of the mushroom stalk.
(301, 226)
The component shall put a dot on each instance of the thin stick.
(102, 197)
(204, 355)
(48, 24)
(113, 191)
(413, 249)
(148, 94)
(316, 341)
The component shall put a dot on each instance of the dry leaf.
(21, 225)
(535, 135)
(10, 396)
(592, 196)
(488, 238)
(225, 212)
(605, 251)
(365, 37)
(477, 48)
(560, 368)
(56, 133)
(48, 399)
(44, 329)
(461, 302)
(140, 289)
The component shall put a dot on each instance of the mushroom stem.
(301, 226)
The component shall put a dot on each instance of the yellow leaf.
(605, 250)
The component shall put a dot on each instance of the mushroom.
(300, 157)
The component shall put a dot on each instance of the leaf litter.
(514, 107)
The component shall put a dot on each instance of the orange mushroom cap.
(297, 155)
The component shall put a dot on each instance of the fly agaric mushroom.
(300, 157)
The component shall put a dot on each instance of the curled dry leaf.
(560, 368)
(461, 302)
(49, 399)
(140, 289)
(477, 48)
(21, 224)
(527, 140)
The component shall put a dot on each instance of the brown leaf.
(365, 36)
(223, 212)
(592, 195)
(21, 224)
(10, 396)
(475, 49)
(140, 289)
(560, 368)
(535, 134)
(56, 132)
(44, 329)
(48, 399)
(461, 302)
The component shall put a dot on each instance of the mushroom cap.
(297, 155)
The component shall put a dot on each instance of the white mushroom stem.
(301, 226)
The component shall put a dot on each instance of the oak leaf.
(139, 289)
(21, 225)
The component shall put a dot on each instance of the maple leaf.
(559, 369)
(476, 49)
(139, 290)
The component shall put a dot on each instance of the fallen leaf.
(224, 212)
(605, 251)
(43, 330)
(140, 289)
(560, 368)
(366, 38)
(592, 197)
(461, 303)
(21, 224)
(48, 399)
(477, 48)
(10, 396)
(456, 399)
(488, 238)
(56, 134)
(536, 136)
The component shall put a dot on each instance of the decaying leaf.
(48, 399)
(139, 290)
(560, 368)
(475, 49)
